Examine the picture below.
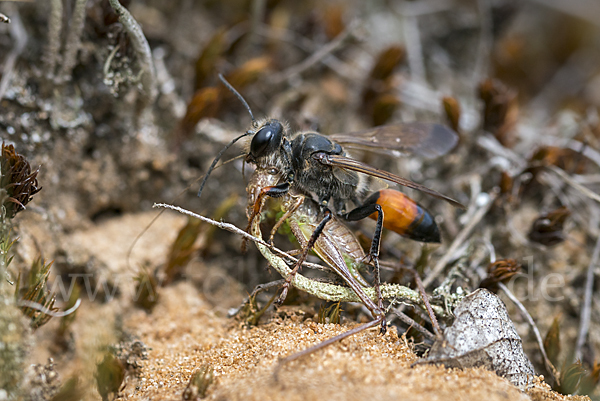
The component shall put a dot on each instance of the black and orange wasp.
(318, 167)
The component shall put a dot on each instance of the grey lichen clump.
(13, 346)
(484, 335)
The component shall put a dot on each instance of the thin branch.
(460, 238)
(73, 41)
(334, 63)
(434, 322)
(142, 50)
(18, 32)
(54, 29)
(414, 49)
(548, 365)
(482, 62)
(409, 321)
(586, 306)
(322, 290)
(317, 56)
(258, 15)
(223, 226)
(562, 174)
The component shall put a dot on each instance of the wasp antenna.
(218, 157)
(240, 97)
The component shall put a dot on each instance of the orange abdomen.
(405, 216)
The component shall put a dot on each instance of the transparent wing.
(428, 140)
(354, 165)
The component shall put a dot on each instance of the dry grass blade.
(35, 298)
(316, 56)
(552, 341)
(586, 305)
(549, 366)
(460, 238)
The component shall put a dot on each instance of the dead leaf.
(483, 335)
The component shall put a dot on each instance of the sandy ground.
(185, 331)
(183, 334)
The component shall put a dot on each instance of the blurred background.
(118, 123)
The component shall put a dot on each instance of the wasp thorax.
(267, 139)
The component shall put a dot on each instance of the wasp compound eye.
(267, 139)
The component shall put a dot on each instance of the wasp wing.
(428, 140)
(355, 165)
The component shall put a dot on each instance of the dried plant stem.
(54, 31)
(409, 321)
(34, 305)
(142, 50)
(73, 41)
(434, 322)
(317, 56)
(460, 238)
(18, 32)
(586, 305)
(322, 290)
(257, 290)
(562, 174)
(548, 365)
(414, 49)
(258, 15)
(486, 39)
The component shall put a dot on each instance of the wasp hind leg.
(358, 214)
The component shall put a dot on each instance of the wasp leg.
(302, 258)
(358, 214)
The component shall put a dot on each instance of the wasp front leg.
(266, 192)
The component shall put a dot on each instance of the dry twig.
(18, 32)
(411, 323)
(586, 305)
(142, 50)
(460, 238)
(54, 31)
(37, 306)
(322, 290)
(549, 367)
(73, 41)
(317, 56)
(562, 174)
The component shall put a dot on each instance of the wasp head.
(267, 142)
